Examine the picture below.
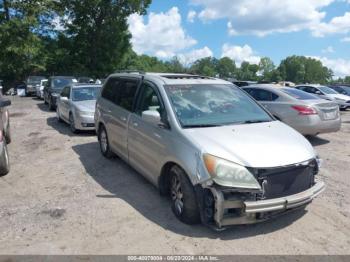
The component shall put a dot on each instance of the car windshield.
(85, 93)
(346, 89)
(59, 83)
(35, 79)
(298, 94)
(327, 90)
(214, 105)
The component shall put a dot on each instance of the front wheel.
(104, 143)
(72, 124)
(183, 198)
(4, 161)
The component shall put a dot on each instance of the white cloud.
(240, 54)
(329, 49)
(262, 17)
(340, 67)
(191, 16)
(190, 57)
(162, 36)
(337, 25)
(345, 39)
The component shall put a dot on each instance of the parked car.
(341, 89)
(221, 157)
(31, 84)
(327, 93)
(5, 136)
(306, 113)
(40, 89)
(54, 87)
(76, 106)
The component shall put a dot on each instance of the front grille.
(285, 181)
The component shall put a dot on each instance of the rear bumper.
(256, 211)
(316, 126)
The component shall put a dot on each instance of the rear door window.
(261, 95)
(126, 94)
(110, 91)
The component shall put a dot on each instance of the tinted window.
(261, 95)
(66, 92)
(110, 89)
(309, 89)
(213, 105)
(149, 100)
(327, 90)
(126, 93)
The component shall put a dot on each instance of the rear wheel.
(4, 161)
(184, 202)
(104, 143)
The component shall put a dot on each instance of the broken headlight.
(227, 173)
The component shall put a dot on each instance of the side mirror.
(151, 116)
(5, 102)
(318, 92)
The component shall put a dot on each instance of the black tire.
(183, 198)
(8, 134)
(4, 161)
(51, 106)
(59, 119)
(72, 124)
(45, 102)
(104, 143)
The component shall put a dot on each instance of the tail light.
(305, 110)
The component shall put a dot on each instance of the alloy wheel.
(176, 194)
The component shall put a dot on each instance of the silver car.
(40, 89)
(306, 113)
(76, 106)
(219, 155)
(327, 93)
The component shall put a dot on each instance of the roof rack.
(185, 76)
(131, 71)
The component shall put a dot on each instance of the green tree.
(267, 67)
(205, 66)
(98, 33)
(21, 23)
(226, 67)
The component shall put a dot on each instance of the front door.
(146, 143)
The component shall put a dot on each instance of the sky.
(245, 30)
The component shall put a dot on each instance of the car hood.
(260, 145)
(85, 106)
(340, 96)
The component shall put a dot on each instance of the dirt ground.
(63, 197)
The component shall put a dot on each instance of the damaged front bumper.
(233, 211)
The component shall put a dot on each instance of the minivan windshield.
(327, 90)
(206, 105)
(85, 93)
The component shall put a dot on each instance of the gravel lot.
(63, 197)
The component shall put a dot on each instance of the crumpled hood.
(259, 145)
(85, 106)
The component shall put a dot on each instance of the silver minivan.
(219, 155)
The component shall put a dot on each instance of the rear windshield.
(298, 94)
(327, 90)
(213, 105)
(62, 82)
(35, 79)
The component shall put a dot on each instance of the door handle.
(123, 118)
(135, 124)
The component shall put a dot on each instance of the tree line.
(91, 38)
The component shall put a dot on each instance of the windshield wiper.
(255, 121)
(200, 125)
